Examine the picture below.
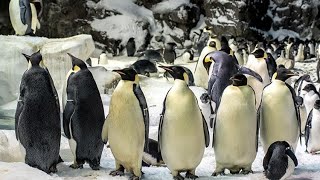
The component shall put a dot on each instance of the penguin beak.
(119, 72)
(26, 56)
(167, 68)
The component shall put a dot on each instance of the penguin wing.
(69, 109)
(25, 11)
(308, 127)
(294, 97)
(258, 125)
(268, 156)
(54, 91)
(206, 131)
(271, 65)
(19, 107)
(104, 133)
(144, 108)
(292, 156)
(161, 121)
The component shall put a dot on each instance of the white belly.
(182, 141)
(235, 131)
(14, 11)
(289, 170)
(314, 138)
(278, 117)
(35, 24)
(309, 100)
(303, 116)
(126, 128)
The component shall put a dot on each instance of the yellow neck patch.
(207, 59)
(274, 76)
(186, 78)
(76, 68)
(136, 79)
(265, 55)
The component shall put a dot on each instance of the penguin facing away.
(183, 133)
(37, 117)
(169, 53)
(83, 116)
(280, 117)
(279, 161)
(312, 132)
(127, 124)
(235, 139)
(131, 47)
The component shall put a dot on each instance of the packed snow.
(155, 89)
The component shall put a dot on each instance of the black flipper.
(268, 156)
(245, 70)
(161, 121)
(258, 126)
(68, 111)
(206, 131)
(19, 108)
(25, 14)
(271, 65)
(296, 106)
(292, 156)
(55, 93)
(308, 128)
(145, 112)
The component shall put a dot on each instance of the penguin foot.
(76, 166)
(191, 176)
(234, 171)
(245, 172)
(95, 168)
(178, 177)
(133, 177)
(118, 172)
(218, 173)
(53, 169)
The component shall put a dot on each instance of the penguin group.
(252, 97)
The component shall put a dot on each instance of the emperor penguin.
(310, 95)
(235, 139)
(202, 68)
(312, 133)
(280, 161)
(103, 59)
(263, 65)
(280, 117)
(288, 63)
(300, 55)
(37, 117)
(131, 47)
(83, 116)
(169, 53)
(188, 56)
(127, 124)
(214, 38)
(183, 133)
(24, 16)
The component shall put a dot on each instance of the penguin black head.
(35, 59)
(171, 45)
(77, 64)
(127, 74)
(259, 53)
(310, 87)
(239, 80)
(317, 104)
(131, 39)
(212, 44)
(177, 72)
(283, 74)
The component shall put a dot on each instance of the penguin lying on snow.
(37, 117)
(279, 161)
(183, 134)
(312, 133)
(145, 67)
(127, 124)
(83, 116)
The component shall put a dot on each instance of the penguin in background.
(214, 38)
(289, 52)
(312, 133)
(24, 16)
(103, 58)
(153, 157)
(280, 161)
(167, 75)
(169, 53)
(183, 134)
(131, 47)
(265, 66)
(300, 53)
(310, 95)
(127, 125)
(37, 117)
(237, 123)
(204, 36)
(83, 116)
(311, 46)
(188, 56)
(279, 113)
(145, 67)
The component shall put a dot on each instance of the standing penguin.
(280, 117)
(169, 53)
(237, 123)
(263, 65)
(310, 96)
(127, 124)
(183, 133)
(279, 161)
(131, 47)
(83, 116)
(37, 118)
(313, 129)
(103, 58)
(188, 56)
(24, 16)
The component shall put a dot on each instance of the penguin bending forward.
(280, 117)
(83, 116)
(127, 124)
(235, 139)
(37, 117)
(183, 133)
(279, 161)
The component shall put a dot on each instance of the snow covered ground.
(155, 90)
